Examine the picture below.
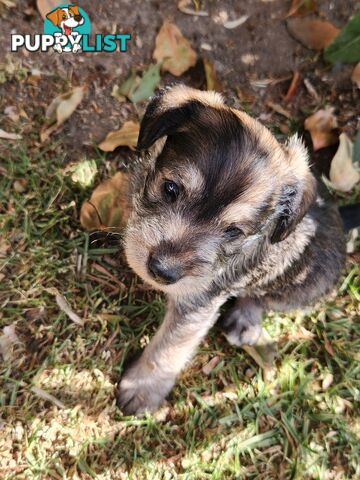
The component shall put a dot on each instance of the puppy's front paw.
(141, 390)
(239, 331)
(246, 336)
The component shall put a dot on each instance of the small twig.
(47, 396)
(64, 306)
(278, 109)
(311, 89)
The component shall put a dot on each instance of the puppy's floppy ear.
(54, 17)
(170, 109)
(159, 121)
(297, 194)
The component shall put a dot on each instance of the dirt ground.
(264, 36)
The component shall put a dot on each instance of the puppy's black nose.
(78, 18)
(163, 272)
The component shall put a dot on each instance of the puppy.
(220, 209)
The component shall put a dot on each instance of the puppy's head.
(214, 183)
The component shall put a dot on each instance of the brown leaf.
(7, 340)
(327, 381)
(45, 6)
(301, 7)
(294, 85)
(355, 76)
(343, 175)
(321, 126)
(312, 32)
(278, 109)
(4, 247)
(212, 81)
(173, 50)
(329, 347)
(20, 185)
(60, 109)
(126, 136)
(9, 136)
(108, 205)
(209, 367)
(186, 6)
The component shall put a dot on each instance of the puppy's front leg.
(146, 383)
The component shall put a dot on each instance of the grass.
(302, 423)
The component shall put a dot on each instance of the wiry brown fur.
(230, 172)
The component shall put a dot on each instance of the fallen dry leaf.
(60, 109)
(294, 85)
(185, 6)
(343, 175)
(301, 7)
(212, 82)
(312, 32)
(65, 307)
(20, 185)
(278, 109)
(173, 51)
(8, 3)
(4, 247)
(231, 24)
(209, 367)
(321, 126)
(126, 136)
(355, 76)
(327, 381)
(45, 6)
(9, 136)
(12, 113)
(108, 206)
(264, 353)
(84, 172)
(137, 88)
(7, 340)
(311, 89)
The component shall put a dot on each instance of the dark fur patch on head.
(225, 152)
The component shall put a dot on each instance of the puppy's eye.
(170, 190)
(233, 232)
(64, 17)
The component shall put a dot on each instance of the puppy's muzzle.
(163, 270)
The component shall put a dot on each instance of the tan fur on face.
(140, 242)
(187, 175)
(289, 161)
(244, 208)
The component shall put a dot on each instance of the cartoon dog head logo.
(68, 23)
